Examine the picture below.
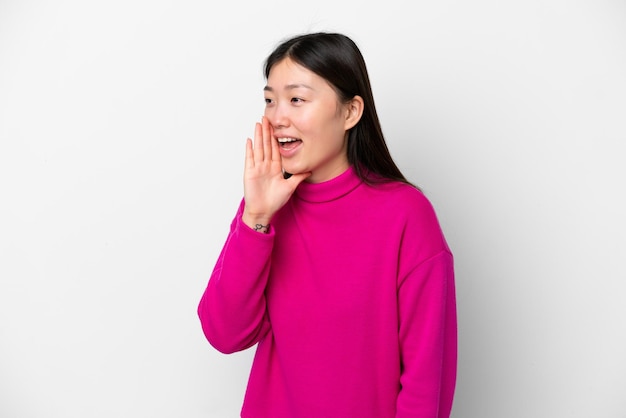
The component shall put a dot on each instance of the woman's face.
(308, 121)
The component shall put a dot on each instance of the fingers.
(249, 154)
(274, 146)
(267, 138)
(264, 147)
(258, 143)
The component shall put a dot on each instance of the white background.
(123, 125)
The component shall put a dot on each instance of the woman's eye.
(268, 101)
(296, 100)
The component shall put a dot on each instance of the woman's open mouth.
(289, 143)
(289, 146)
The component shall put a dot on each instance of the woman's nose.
(277, 116)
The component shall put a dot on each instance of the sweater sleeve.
(428, 339)
(232, 309)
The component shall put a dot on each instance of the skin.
(299, 104)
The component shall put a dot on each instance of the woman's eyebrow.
(290, 87)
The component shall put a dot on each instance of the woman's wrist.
(262, 228)
(257, 223)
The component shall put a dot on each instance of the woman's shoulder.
(401, 195)
(406, 205)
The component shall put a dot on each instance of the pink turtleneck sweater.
(351, 300)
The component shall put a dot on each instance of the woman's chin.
(290, 170)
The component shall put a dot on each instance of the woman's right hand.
(265, 188)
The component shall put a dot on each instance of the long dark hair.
(338, 60)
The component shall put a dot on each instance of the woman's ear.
(354, 111)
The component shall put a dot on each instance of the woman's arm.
(428, 339)
(232, 310)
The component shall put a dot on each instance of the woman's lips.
(288, 149)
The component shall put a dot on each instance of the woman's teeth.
(288, 143)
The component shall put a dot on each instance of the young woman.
(335, 265)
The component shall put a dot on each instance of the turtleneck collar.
(328, 190)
